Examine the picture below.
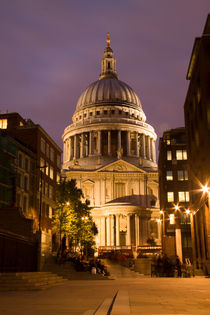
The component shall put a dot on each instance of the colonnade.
(111, 229)
(125, 143)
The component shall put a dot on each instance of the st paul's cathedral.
(110, 150)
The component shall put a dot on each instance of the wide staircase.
(118, 271)
(67, 271)
(28, 281)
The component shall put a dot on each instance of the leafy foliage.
(72, 215)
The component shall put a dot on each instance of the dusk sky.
(51, 51)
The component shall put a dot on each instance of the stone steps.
(24, 281)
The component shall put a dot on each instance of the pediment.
(120, 166)
(88, 181)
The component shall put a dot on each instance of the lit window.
(168, 141)
(51, 172)
(170, 196)
(3, 123)
(183, 196)
(169, 155)
(171, 219)
(58, 178)
(42, 163)
(50, 212)
(47, 168)
(181, 154)
(183, 175)
(42, 145)
(169, 175)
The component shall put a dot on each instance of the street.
(146, 296)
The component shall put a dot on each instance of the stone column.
(82, 146)
(109, 142)
(128, 236)
(99, 142)
(70, 148)
(137, 145)
(143, 155)
(151, 149)
(112, 230)
(147, 148)
(64, 151)
(103, 231)
(154, 150)
(119, 140)
(108, 231)
(90, 142)
(137, 229)
(117, 230)
(128, 144)
(75, 147)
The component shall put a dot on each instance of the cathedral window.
(120, 112)
(98, 112)
(105, 112)
(91, 114)
(112, 111)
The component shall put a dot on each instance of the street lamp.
(206, 190)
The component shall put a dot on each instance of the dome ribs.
(108, 91)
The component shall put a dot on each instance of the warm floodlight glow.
(205, 189)
(161, 211)
(188, 211)
(158, 220)
(176, 207)
(68, 203)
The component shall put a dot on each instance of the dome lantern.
(108, 63)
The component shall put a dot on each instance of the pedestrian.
(178, 267)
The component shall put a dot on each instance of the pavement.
(127, 295)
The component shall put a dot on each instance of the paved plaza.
(145, 296)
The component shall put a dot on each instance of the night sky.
(51, 51)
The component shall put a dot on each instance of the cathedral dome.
(109, 91)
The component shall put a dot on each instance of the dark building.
(30, 168)
(197, 122)
(174, 194)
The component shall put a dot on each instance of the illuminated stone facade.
(110, 150)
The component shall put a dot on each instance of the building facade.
(197, 122)
(174, 194)
(110, 150)
(36, 166)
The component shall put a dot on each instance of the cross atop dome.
(108, 63)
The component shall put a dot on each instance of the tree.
(72, 215)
